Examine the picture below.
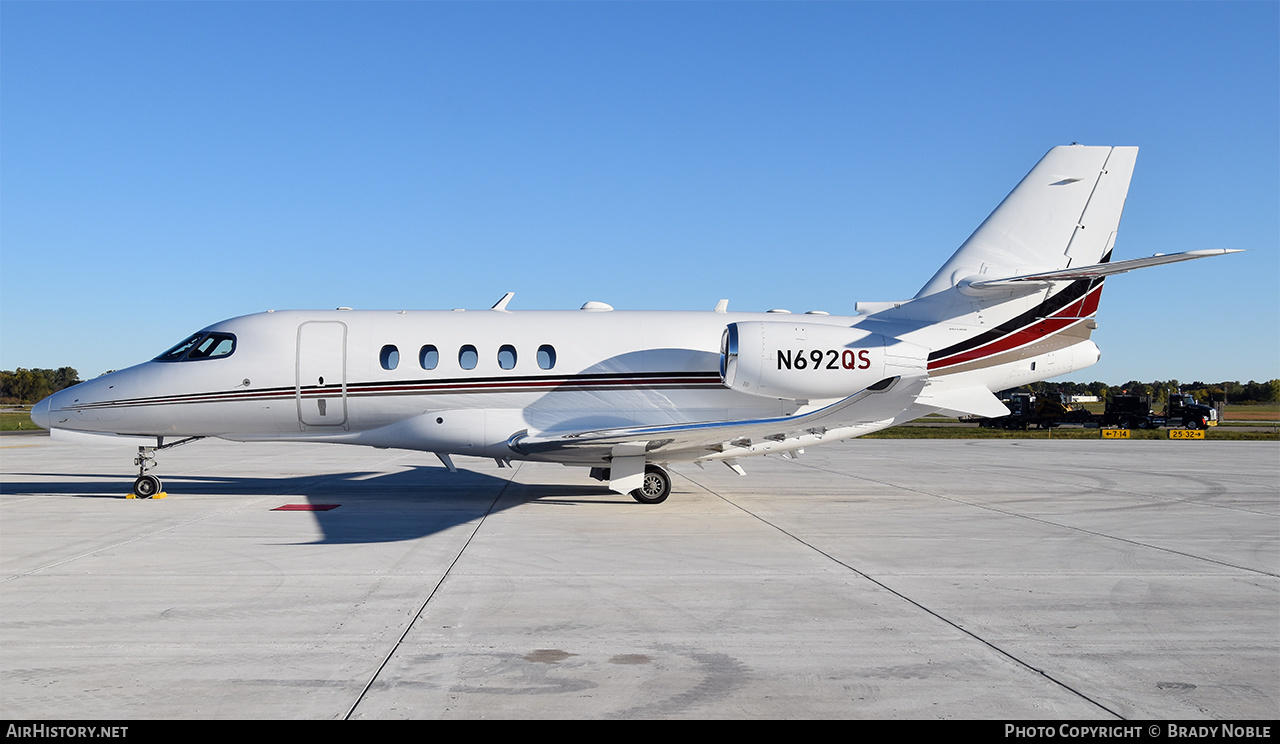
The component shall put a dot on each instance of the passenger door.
(322, 374)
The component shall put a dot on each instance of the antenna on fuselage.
(501, 305)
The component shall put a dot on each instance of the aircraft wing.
(880, 402)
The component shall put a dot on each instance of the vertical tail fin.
(1016, 301)
(1064, 213)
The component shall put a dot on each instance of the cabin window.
(428, 357)
(546, 356)
(467, 357)
(201, 346)
(507, 356)
(389, 357)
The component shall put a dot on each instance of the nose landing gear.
(146, 486)
(149, 486)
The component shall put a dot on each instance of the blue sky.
(167, 165)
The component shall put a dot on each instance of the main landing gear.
(148, 486)
(656, 486)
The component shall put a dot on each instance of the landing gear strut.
(147, 486)
(655, 488)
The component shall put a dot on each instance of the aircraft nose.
(40, 413)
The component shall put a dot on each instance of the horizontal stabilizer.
(1094, 271)
(970, 401)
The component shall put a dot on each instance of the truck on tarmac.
(1027, 410)
(1134, 412)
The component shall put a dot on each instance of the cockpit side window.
(176, 353)
(201, 346)
(212, 346)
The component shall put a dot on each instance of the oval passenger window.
(389, 357)
(546, 356)
(507, 356)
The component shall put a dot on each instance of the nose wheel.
(147, 486)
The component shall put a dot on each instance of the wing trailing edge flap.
(965, 401)
(630, 447)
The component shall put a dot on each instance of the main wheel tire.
(656, 486)
(146, 486)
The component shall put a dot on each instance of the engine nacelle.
(812, 361)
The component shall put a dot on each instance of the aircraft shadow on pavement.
(388, 507)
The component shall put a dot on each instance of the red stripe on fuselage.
(1066, 317)
(368, 389)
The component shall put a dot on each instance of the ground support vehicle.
(1027, 411)
(1134, 412)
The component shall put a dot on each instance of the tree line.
(1204, 392)
(30, 385)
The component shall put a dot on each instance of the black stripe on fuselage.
(1073, 293)
(453, 385)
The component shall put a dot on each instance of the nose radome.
(40, 413)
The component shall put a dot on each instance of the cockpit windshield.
(201, 346)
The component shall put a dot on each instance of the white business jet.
(625, 393)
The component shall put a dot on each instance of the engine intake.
(811, 361)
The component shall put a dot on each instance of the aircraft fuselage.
(626, 391)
